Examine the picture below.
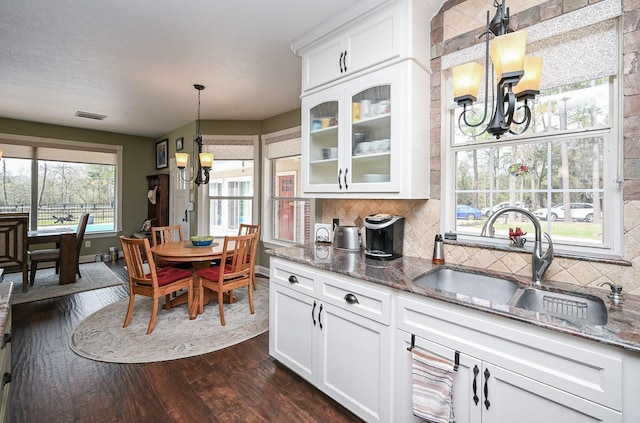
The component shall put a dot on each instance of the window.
(287, 216)
(57, 181)
(564, 169)
(228, 199)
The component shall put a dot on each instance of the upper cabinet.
(365, 102)
(374, 41)
(368, 36)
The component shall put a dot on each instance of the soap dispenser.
(438, 250)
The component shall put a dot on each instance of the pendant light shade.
(181, 160)
(206, 160)
(530, 82)
(507, 55)
(466, 80)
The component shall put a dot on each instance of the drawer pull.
(351, 299)
(5, 340)
(6, 378)
(293, 279)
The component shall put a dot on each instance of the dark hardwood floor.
(238, 384)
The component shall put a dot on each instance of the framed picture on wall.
(162, 154)
(179, 144)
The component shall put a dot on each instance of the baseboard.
(261, 270)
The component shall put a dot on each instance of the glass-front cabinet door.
(351, 136)
(321, 141)
(370, 141)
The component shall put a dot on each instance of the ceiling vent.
(88, 115)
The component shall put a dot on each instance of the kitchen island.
(587, 372)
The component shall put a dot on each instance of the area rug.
(101, 336)
(94, 276)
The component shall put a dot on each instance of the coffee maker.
(384, 236)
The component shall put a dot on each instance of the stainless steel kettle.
(347, 238)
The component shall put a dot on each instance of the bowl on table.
(201, 240)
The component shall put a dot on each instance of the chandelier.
(205, 162)
(517, 76)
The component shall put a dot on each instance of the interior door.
(178, 200)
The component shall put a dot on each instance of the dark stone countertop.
(622, 329)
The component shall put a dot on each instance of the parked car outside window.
(467, 212)
(579, 211)
(488, 211)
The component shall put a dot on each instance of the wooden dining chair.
(162, 234)
(53, 254)
(238, 256)
(246, 229)
(152, 282)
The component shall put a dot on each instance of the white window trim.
(267, 189)
(612, 177)
(202, 223)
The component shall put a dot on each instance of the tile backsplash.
(422, 224)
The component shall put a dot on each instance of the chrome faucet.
(539, 262)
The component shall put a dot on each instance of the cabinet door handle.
(344, 60)
(293, 279)
(5, 340)
(313, 313)
(320, 316)
(351, 299)
(486, 388)
(6, 378)
(345, 178)
(339, 176)
(475, 384)
(340, 61)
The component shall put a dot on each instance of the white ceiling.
(136, 60)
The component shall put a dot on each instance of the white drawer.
(365, 299)
(297, 277)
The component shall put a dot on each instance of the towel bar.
(456, 358)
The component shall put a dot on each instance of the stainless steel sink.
(574, 307)
(496, 290)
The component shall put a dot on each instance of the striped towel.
(432, 387)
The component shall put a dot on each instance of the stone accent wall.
(423, 217)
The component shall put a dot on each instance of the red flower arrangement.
(515, 235)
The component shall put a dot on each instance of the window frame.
(612, 176)
(78, 147)
(268, 188)
(210, 143)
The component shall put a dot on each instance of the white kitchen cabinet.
(368, 137)
(372, 41)
(366, 37)
(338, 337)
(524, 374)
(5, 370)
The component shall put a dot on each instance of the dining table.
(199, 256)
(65, 240)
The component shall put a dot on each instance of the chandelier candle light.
(517, 75)
(205, 162)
